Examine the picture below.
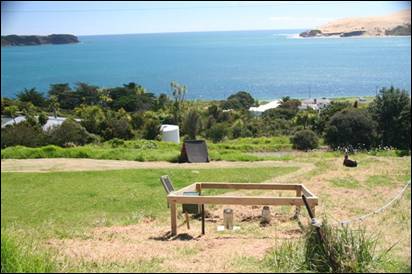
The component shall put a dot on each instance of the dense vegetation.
(131, 112)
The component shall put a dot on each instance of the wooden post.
(173, 218)
(187, 220)
(298, 194)
(203, 219)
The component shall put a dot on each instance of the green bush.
(23, 134)
(151, 129)
(305, 140)
(70, 132)
(351, 128)
(217, 132)
(116, 128)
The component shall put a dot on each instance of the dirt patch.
(66, 164)
(187, 252)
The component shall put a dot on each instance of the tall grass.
(344, 250)
(16, 258)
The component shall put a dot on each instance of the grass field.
(116, 220)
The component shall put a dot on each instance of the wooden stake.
(203, 219)
(187, 220)
(173, 218)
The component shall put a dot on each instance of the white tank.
(170, 133)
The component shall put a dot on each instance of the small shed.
(194, 151)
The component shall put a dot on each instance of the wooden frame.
(177, 197)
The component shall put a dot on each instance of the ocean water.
(213, 65)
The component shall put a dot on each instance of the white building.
(262, 108)
(51, 122)
(315, 104)
(170, 133)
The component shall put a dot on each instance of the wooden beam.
(188, 188)
(236, 200)
(250, 186)
(307, 192)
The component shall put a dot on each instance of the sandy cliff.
(398, 23)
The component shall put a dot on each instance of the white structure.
(51, 122)
(170, 133)
(262, 108)
(315, 104)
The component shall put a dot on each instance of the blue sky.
(121, 17)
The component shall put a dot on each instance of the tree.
(116, 127)
(54, 105)
(192, 124)
(279, 113)
(178, 92)
(87, 94)
(131, 97)
(391, 109)
(351, 128)
(11, 111)
(43, 118)
(32, 96)
(29, 111)
(162, 101)
(306, 118)
(92, 117)
(326, 113)
(240, 100)
(66, 98)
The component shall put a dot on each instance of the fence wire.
(379, 210)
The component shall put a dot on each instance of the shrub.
(217, 132)
(70, 132)
(391, 109)
(151, 129)
(350, 128)
(304, 140)
(23, 134)
(116, 128)
(116, 142)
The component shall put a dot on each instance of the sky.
(123, 17)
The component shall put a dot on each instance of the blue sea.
(213, 65)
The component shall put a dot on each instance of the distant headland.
(31, 40)
(396, 24)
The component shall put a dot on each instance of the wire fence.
(379, 210)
